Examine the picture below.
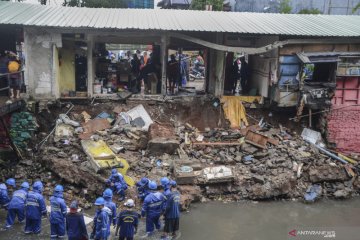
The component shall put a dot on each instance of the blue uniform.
(112, 206)
(57, 215)
(4, 197)
(143, 190)
(119, 184)
(167, 192)
(128, 223)
(16, 207)
(172, 209)
(75, 226)
(101, 224)
(153, 206)
(34, 208)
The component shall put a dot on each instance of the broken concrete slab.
(218, 174)
(162, 139)
(327, 173)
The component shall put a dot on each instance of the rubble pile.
(257, 162)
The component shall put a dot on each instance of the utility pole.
(329, 9)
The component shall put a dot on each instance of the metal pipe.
(328, 153)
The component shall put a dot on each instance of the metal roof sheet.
(179, 20)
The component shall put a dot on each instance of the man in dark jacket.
(75, 224)
(127, 222)
(172, 211)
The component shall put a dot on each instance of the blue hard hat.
(59, 188)
(164, 181)
(114, 171)
(74, 204)
(25, 185)
(152, 185)
(100, 201)
(144, 181)
(11, 182)
(108, 193)
(3, 186)
(173, 183)
(38, 185)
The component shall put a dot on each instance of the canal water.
(326, 219)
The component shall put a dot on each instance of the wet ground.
(253, 221)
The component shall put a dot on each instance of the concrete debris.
(257, 162)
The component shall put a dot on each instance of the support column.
(217, 69)
(90, 66)
(164, 60)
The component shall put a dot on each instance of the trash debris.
(65, 119)
(140, 112)
(64, 130)
(312, 193)
(218, 174)
(311, 136)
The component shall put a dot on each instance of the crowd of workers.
(29, 206)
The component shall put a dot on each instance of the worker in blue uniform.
(153, 207)
(102, 219)
(75, 224)
(127, 222)
(107, 195)
(172, 211)
(4, 196)
(16, 206)
(165, 184)
(142, 188)
(35, 208)
(117, 183)
(6, 191)
(58, 213)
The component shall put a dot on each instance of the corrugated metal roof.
(179, 20)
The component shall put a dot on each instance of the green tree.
(285, 6)
(217, 5)
(97, 3)
(310, 11)
(357, 7)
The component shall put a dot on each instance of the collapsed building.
(310, 63)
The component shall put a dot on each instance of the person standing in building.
(35, 208)
(15, 77)
(135, 70)
(102, 220)
(153, 207)
(244, 75)
(127, 222)
(16, 206)
(173, 73)
(75, 224)
(172, 211)
(58, 213)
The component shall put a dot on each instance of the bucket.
(97, 88)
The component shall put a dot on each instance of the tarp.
(234, 110)
(102, 157)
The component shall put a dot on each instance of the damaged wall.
(263, 67)
(41, 74)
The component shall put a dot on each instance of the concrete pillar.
(217, 69)
(164, 60)
(90, 66)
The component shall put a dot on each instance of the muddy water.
(249, 220)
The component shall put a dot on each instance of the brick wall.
(344, 129)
